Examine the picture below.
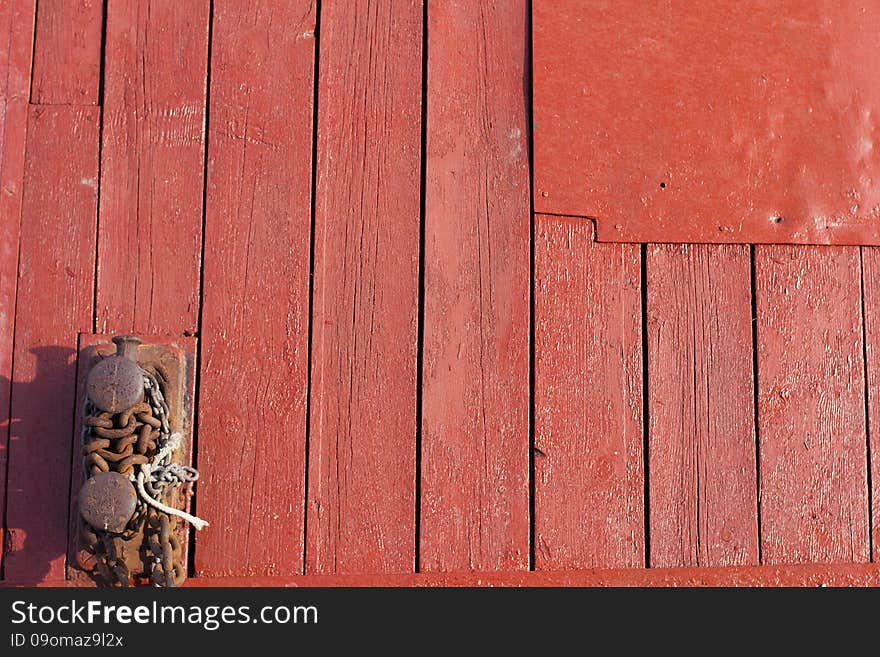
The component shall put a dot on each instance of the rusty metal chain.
(120, 443)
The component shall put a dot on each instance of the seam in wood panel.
(529, 94)
(754, 300)
(867, 405)
(315, 77)
(191, 552)
(420, 335)
(30, 82)
(646, 425)
(100, 163)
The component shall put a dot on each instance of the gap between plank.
(646, 424)
(191, 553)
(754, 300)
(420, 348)
(529, 94)
(867, 405)
(313, 220)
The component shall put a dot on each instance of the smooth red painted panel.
(362, 444)
(16, 43)
(811, 405)
(55, 293)
(589, 474)
(701, 432)
(475, 397)
(67, 52)
(735, 121)
(871, 310)
(152, 163)
(254, 334)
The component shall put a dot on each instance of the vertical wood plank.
(67, 52)
(811, 406)
(871, 310)
(55, 296)
(16, 46)
(152, 164)
(253, 382)
(589, 474)
(475, 397)
(362, 444)
(701, 446)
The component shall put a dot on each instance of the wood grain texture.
(811, 406)
(56, 285)
(701, 446)
(871, 314)
(67, 52)
(16, 44)
(589, 468)
(152, 163)
(254, 334)
(362, 444)
(475, 399)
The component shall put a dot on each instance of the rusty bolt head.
(115, 384)
(107, 501)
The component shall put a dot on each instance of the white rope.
(144, 475)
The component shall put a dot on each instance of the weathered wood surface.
(55, 299)
(67, 52)
(871, 315)
(152, 163)
(799, 575)
(701, 434)
(589, 474)
(475, 379)
(362, 443)
(16, 47)
(811, 405)
(254, 334)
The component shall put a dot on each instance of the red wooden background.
(402, 368)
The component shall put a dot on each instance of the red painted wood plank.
(152, 159)
(702, 444)
(362, 443)
(811, 406)
(589, 474)
(67, 52)
(799, 575)
(745, 121)
(254, 358)
(55, 296)
(16, 43)
(802, 575)
(475, 397)
(871, 312)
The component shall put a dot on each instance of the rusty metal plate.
(175, 358)
(724, 121)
